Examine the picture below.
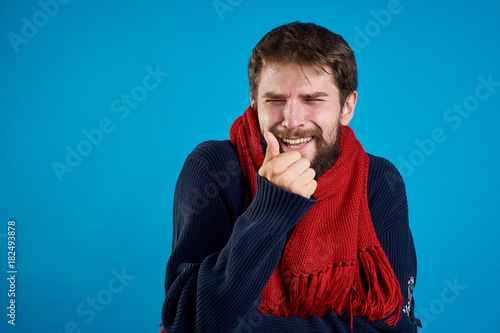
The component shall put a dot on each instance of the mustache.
(301, 133)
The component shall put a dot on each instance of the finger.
(273, 146)
(299, 183)
(310, 189)
(308, 176)
(283, 161)
(299, 166)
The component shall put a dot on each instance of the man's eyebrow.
(273, 95)
(315, 94)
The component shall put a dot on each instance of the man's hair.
(306, 45)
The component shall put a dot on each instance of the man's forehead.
(277, 81)
(275, 67)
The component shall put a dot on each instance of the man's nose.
(293, 115)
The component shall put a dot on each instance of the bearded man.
(290, 226)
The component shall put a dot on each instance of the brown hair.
(306, 44)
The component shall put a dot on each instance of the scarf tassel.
(376, 296)
(315, 294)
(373, 294)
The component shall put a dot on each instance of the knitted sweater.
(222, 257)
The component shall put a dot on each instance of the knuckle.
(283, 179)
(264, 171)
(306, 162)
(295, 188)
(276, 164)
(295, 153)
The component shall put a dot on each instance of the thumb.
(273, 146)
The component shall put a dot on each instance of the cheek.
(268, 118)
(262, 120)
(330, 132)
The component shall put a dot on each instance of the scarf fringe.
(378, 296)
(372, 293)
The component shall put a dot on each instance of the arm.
(215, 275)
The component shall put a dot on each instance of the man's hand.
(288, 170)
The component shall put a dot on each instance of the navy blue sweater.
(222, 257)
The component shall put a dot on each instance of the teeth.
(295, 141)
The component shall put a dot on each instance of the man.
(290, 226)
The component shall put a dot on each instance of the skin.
(294, 103)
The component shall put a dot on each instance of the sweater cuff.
(276, 209)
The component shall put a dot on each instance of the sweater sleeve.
(220, 262)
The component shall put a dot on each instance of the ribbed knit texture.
(223, 257)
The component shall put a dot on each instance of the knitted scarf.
(333, 260)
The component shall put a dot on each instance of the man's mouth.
(296, 143)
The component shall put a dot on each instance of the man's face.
(301, 108)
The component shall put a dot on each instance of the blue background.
(112, 213)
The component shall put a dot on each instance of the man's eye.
(275, 101)
(313, 100)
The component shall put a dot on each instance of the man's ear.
(252, 101)
(348, 110)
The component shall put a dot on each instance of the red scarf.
(333, 260)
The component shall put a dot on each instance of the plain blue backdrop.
(102, 101)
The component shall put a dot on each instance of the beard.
(327, 153)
